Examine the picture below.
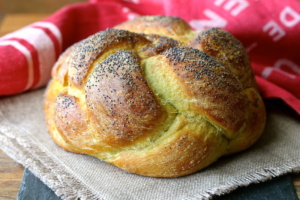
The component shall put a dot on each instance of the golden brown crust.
(120, 101)
(228, 50)
(172, 27)
(159, 100)
(187, 147)
(87, 51)
(204, 78)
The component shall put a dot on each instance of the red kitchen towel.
(268, 29)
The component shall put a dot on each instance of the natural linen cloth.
(268, 29)
(24, 137)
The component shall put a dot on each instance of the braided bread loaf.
(155, 98)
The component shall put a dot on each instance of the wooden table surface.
(11, 172)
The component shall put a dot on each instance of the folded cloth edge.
(14, 147)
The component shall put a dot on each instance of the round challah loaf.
(154, 97)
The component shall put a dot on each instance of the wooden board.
(12, 22)
(10, 177)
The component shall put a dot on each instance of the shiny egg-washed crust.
(154, 97)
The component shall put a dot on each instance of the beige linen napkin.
(24, 137)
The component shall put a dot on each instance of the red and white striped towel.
(268, 29)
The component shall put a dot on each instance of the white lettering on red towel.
(236, 6)
(289, 17)
(278, 67)
(275, 31)
(129, 13)
(214, 20)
